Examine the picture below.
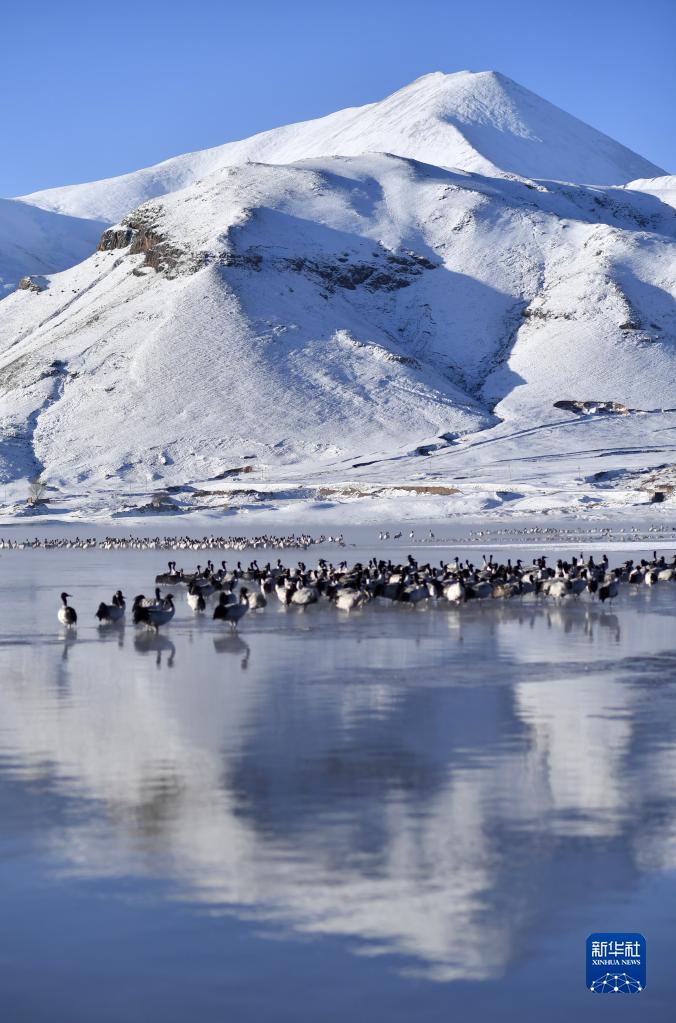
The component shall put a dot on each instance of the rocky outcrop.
(387, 272)
(241, 261)
(588, 408)
(32, 282)
(539, 313)
(139, 235)
(115, 238)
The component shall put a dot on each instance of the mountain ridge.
(330, 313)
(475, 121)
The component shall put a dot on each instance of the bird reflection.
(153, 642)
(401, 779)
(233, 645)
(611, 621)
(569, 619)
(68, 637)
(109, 632)
(603, 619)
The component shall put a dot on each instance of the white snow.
(482, 122)
(359, 319)
(36, 241)
(663, 187)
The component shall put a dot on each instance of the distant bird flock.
(380, 581)
(171, 543)
(302, 541)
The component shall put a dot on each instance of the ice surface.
(399, 807)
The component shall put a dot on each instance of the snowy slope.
(36, 241)
(663, 187)
(481, 122)
(333, 314)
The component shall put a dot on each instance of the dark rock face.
(32, 283)
(140, 236)
(387, 271)
(115, 238)
(587, 408)
(57, 368)
(159, 503)
(241, 261)
(536, 313)
(158, 252)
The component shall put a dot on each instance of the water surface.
(398, 814)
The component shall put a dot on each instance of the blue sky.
(92, 89)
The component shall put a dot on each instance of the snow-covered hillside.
(664, 187)
(481, 122)
(36, 241)
(358, 319)
(334, 312)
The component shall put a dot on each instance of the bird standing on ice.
(454, 592)
(195, 598)
(67, 615)
(256, 601)
(153, 614)
(305, 595)
(232, 612)
(609, 590)
(112, 612)
(348, 599)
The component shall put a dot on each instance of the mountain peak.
(475, 121)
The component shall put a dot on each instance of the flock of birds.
(409, 583)
(573, 532)
(171, 543)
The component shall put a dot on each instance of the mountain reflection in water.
(439, 785)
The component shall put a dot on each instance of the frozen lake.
(402, 814)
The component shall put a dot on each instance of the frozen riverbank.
(596, 468)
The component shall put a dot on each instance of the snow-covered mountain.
(337, 317)
(481, 122)
(36, 241)
(663, 187)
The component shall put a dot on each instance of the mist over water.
(394, 814)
